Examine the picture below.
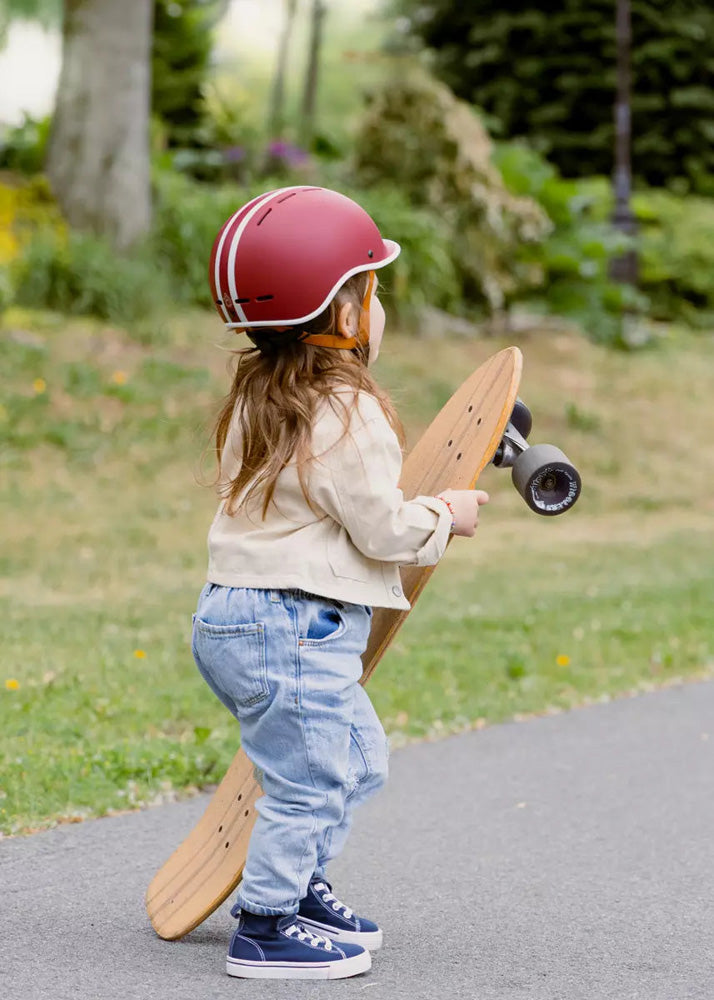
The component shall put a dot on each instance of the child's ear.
(347, 320)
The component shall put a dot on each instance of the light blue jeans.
(287, 665)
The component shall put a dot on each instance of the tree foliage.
(47, 12)
(547, 72)
(181, 54)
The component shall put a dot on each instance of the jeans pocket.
(325, 622)
(232, 658)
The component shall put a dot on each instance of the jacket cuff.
(435, 546)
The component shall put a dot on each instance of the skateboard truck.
(545, 478)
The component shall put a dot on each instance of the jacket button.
(397, 591)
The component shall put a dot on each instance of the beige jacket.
(362, 528)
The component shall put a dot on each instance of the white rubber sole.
(341, 968)
(372, 940)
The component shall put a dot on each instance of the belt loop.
(275, 596)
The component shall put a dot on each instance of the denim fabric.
(287, 665)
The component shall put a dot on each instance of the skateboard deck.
(453, 451)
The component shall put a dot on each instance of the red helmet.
(280, 259)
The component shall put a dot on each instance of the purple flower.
(234, 154)
(288, 152)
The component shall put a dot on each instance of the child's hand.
(464, 505)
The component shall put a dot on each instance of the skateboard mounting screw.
(471, 408)
(450, 444)
(478, 421)
(240, 796)
(459, 456)
(220, 829)
(247, 811)
(227, 843)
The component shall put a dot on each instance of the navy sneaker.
(322, 911)
(282, 948)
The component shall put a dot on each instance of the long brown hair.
(277, 386)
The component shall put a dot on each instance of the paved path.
(566, 857)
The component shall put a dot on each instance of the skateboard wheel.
(546, 480)
(521, 418)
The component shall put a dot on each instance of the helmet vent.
(264, 216)
(263, 298)
(286, 196)
(242, 301)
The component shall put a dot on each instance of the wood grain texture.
(452, 453)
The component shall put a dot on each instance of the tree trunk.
(309, 97)
(98, 156)
(276, 116)
(623, 268)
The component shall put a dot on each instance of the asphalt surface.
(565, 857)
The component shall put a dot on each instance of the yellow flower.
(39, 385)
(11, 684)
(140, 654)
(562, 660)
(119, 378)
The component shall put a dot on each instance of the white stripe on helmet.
(217, 265)
(236, 240)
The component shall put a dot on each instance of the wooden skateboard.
(483, 421)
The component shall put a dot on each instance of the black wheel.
(546, 480)
(521, 418)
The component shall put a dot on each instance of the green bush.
(79, 274)
(674, 244)
(676, 258)
(6, 289)
(564, 272)
(576, 256)
(23, 146)
(425, 273)
(187, 216)
(417, 137)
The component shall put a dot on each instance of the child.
(309, 534)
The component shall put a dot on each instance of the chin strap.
(349, 343)
(327, 340)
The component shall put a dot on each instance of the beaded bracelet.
(451, 511)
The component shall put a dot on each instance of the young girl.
(309, 534)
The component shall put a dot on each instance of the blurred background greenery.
(484, 143)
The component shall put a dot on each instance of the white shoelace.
(303, 934)
(329, 897)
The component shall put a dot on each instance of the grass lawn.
(103, 554)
